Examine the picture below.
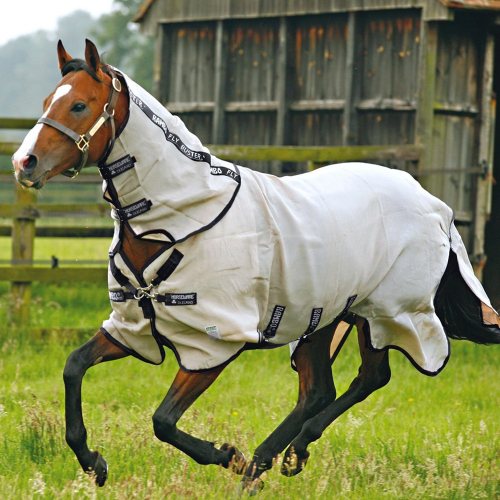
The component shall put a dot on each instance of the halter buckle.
(82, 144)
(117, 84)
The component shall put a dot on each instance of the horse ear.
(62, 55)
(92, 56)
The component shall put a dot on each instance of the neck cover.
(171, 180)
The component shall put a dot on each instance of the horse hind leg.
(316, 392)
(374, 373)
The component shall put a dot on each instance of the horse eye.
(78, 107)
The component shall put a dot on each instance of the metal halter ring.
(106, 110)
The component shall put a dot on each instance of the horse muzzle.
(24, 168)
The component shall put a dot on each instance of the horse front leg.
(96, 350)
(184, 391)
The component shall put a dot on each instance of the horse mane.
(79, 65)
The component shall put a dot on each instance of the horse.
(275, 261)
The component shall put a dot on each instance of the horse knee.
(163, 427)
(73, 370)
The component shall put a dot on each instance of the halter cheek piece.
(82, 141)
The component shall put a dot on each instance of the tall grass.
(416, 438)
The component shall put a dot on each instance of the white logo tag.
(213, 332)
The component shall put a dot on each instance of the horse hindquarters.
(462, 314)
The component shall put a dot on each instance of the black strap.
(168, 267)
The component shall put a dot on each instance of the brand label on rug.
(116, 296)
(134, 210)
(315, 319)
(117, 167)
(274, 323)
(179, 299)
(213, 332)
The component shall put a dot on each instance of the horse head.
(77, 127)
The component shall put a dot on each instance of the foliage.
(28, 65)
(124, 46)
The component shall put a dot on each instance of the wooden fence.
(25, 210)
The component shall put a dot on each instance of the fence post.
(23, 236)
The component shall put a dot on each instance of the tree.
(125, 48)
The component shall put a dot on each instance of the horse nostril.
(30, 164)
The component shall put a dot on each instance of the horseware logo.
(117, 167)
(180, 299)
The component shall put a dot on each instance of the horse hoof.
(100, 470)
(293, 463)
(250, 487)
(237, 461)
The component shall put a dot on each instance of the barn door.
(461, 159)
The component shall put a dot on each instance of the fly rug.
(210, 259)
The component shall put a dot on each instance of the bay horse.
(404, 278)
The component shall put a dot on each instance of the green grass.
(417, 438)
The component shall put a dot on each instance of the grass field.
(416, 438)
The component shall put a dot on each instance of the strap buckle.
(145, 292)
(82, 144)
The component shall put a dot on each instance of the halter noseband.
(82, 141)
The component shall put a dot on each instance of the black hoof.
(250, 487)
(100, 470)
(237, 461)
(294, 463)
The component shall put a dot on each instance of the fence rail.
(26, 210)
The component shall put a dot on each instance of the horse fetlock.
(294, 461)
(236, 461)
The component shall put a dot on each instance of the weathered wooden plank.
(250, 106)
(389, 104)
(317, 154)
(455, 108)
(35, 211)
(190, 107)
(9, 148)
(318, 105)
(66, 232)
(473, 4)
(23, 236)
(169, 11)
(428, 40)
(352, 83)
(17, 123)
(221, 39)
(27, 274)
(484, 186)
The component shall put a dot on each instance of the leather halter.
(82, 141)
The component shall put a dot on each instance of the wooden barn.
(346, 73)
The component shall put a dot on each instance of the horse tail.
(460, 311)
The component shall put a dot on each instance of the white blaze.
(32, 136)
